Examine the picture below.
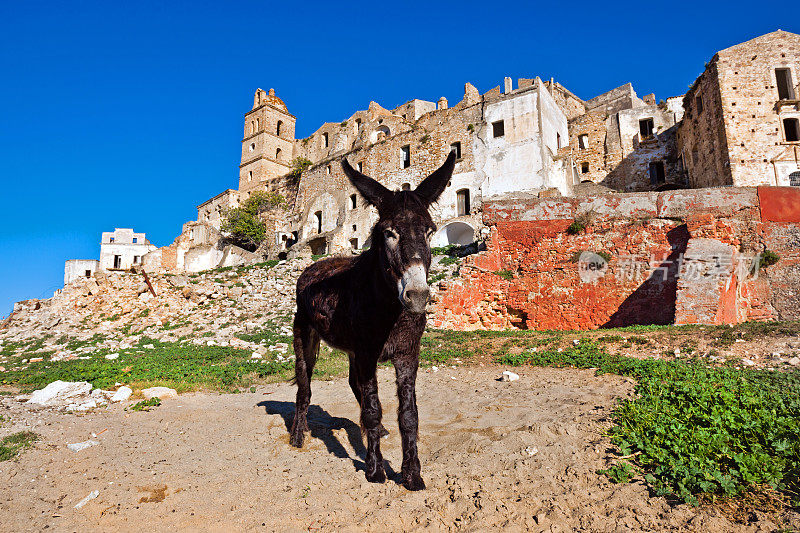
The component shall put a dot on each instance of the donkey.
(373, 308)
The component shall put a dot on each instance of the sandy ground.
(513, 456)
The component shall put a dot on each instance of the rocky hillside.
(116, 311)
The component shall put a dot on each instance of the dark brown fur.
(354, 304)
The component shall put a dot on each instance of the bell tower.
(267, 143)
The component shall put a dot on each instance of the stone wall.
(674, 257)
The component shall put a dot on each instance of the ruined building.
(740, 128)
(120, 250)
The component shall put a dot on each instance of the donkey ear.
(370, 189)
(433, 186)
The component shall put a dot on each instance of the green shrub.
(768, 258)
(12, 444)
(575, 228)
(505, 274)
(243, 223)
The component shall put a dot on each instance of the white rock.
(794, 361)
(92, 495)
(85, 406)
(78, 446)
(122, 394)
(112, 356)
(256, 355)
(159, 392)
(747, 362)
(576, 342)
(509, 376)
(530, 451)
(59, 391)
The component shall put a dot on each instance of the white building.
(119, 250)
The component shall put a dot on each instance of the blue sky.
(129, 114)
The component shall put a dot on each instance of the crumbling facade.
(120, 250)
(742, 122)
(741, 128)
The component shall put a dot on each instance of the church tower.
(267, 143)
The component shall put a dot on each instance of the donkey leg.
(408, 420)
(371, 420)
(353, 379)
(306, 347)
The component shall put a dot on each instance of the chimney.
(508, 85)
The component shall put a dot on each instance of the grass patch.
(146, 405)
(13, 444)
(695, 429)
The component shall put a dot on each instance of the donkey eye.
(390, 234)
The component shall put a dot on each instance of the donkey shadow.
(322, 426)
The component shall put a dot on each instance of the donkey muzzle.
(413, 289)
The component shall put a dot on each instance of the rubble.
(60, 391)
(159, 392)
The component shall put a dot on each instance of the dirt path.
(517, 456)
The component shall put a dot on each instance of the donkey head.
(401, 236)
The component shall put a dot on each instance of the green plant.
(768, 258)
(505, 274)
(575, 228)
(300, 164)
(695, 429)
(425, 138)
(243, 223)
(619, 473)
(12, 444)
(470, 128)
(146, 405)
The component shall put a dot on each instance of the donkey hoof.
(296, 439)
(413, 482)
(379, 476)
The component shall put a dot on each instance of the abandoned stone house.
(741, 128)
(120, 250)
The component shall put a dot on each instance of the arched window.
(278, 128)
(325, 140)
(258, 124)
(353, 201)
(278, 154)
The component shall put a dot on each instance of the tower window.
(783, 77)
(258, 124)
(328, 170)
(278, 127)
(456, 147)
(462, 202)
(250, 176)
(646, 128)
(278, 154)
(252, 146)
(791, 129)
(361, 166)
(353, 201)
(698, 103)
(498, 129)
(657, 172)
(406, 155)
(583, 141)
(584, 167)
(325, 140)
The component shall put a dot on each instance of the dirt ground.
(513, 456)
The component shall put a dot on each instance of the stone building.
(505, 141)
(742, 119)
(741, 128)
(212, 211)
(120, 250)
(79, 268)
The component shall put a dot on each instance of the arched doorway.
(454, 233)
